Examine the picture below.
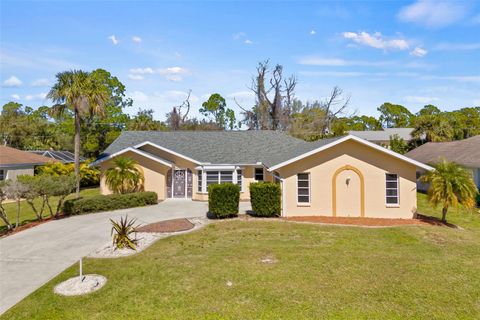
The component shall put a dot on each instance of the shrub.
(109, 202)
(266, 199)
(223, 200)
(121, 233)
(89, 176)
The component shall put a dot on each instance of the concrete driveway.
(32, 257)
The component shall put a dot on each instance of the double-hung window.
(259, 174)
(392, 198)
(303, 188)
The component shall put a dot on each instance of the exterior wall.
(11, 173)
(154, 174)
(371, 163)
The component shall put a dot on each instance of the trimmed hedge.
(223, 200)
(109, 202)
(266, 199)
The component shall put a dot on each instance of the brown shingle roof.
(11, 156)
(465, 152)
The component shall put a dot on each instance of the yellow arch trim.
(362, 189)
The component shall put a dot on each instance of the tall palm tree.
(450, 185)
(124, 176)
(84, 95)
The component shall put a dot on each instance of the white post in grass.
(81, 271)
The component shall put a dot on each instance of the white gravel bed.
(75, 286)
(144, 240)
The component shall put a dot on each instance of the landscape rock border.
(144, 240)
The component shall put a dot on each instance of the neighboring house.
(61, 156)
(464, 152)
(14, 162)
(382, 137)
(345, 176)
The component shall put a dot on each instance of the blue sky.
(407, 52)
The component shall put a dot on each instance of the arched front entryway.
(348, 192)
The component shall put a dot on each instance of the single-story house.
(14, 162)
(60, 156)
(464, 152)
(344, 176)
(382, 137)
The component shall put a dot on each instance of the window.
(239, 179)
(2, 175)
(200, 180)
(391, 189)
(212, 177)
(303, 188)
(259, 174)
(226, 176)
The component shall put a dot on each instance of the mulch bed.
(174, 225)
(30, 224)
(369, 222)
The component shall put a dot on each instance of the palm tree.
(124, 176)
(84, 95)
(450, 185)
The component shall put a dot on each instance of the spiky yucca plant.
(122, 232)
(450, 185)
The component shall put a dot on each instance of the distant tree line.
(276, 108)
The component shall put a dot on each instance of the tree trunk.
(18, 214)
(444, 214)
(77, 154)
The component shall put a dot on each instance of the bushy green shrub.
(89, 176)
(266, 199)
(223, 200)
(109, 202)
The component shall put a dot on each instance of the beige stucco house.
(344, 176)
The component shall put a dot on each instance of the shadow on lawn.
(435, 221)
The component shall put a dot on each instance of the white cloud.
(434, 13)
(142, 71)
(114, 39)
(420, 99)
(241, 94)
(136, 39)
(239, 35)
(12, 82)
(337, 62)
(41, 83)
(171, 73)
(313, 32)
(446, 46)
(458, 78)
(138, 96)
(248, 41)
(136, 76)
(376, 40)
(418, 52)
(39, 96)
(15, 97)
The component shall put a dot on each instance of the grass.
(421, 272)
(26, 213)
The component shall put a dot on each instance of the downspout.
(282, 184)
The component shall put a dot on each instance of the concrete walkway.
(34, 256)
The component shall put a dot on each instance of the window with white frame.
(391, 189)
(239, 179)
(259, 174)
(303, 188)
(208, 177)
(200, 180)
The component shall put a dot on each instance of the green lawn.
(421, 272)
(26, 213)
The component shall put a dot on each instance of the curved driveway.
(32, 257)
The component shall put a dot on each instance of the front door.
(179, 185)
